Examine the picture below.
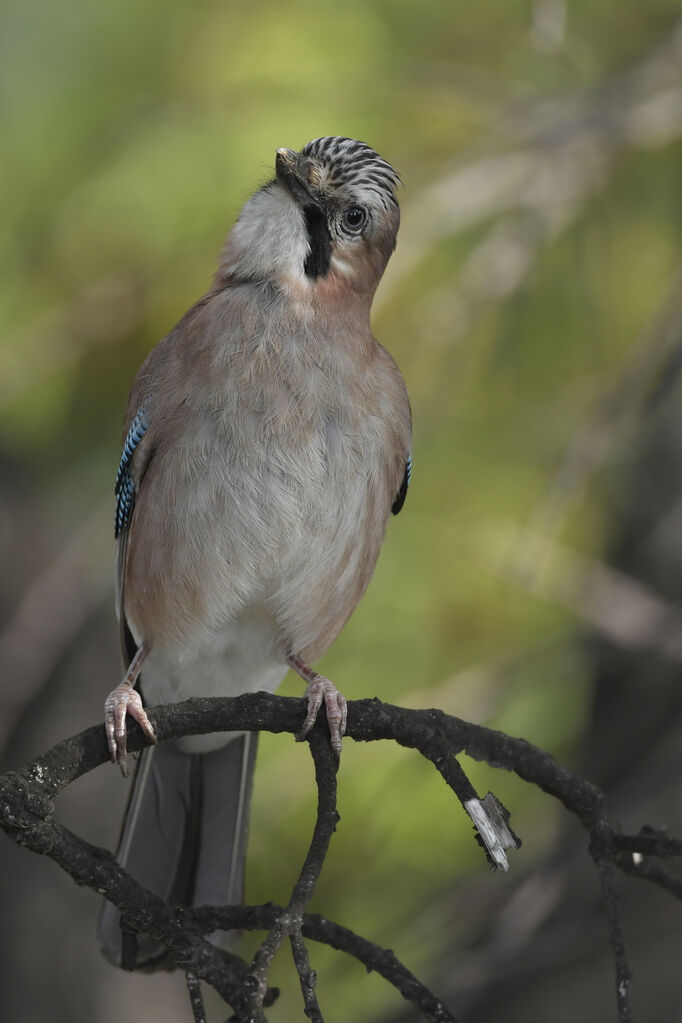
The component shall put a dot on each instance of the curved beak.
(293, 172)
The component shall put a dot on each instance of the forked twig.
(289, 922)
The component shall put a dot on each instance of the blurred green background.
(529, 306)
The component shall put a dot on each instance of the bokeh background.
(533, 581)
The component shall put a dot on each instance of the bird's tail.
(183, 837)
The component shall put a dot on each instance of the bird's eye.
(354, 218)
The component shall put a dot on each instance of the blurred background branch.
(557, 155)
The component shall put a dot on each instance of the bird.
(267, 440)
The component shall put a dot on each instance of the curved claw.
(318, 689)
(121, 701)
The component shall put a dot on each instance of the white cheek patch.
(269, 239)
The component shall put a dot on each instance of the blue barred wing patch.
(125, 485)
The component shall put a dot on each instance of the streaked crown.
(355, 165)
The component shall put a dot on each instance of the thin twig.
(289, 921)
(652, 872)
(601, 850)
(487, 815)
(649, 843)
(196, 1000)
(307, 978)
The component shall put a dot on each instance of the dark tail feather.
(184, 836)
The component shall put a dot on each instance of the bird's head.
(325, 226)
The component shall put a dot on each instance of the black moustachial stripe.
(318, 260)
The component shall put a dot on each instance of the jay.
(267, 440)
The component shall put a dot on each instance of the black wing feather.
(402, 493)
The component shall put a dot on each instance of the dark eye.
(354, 217)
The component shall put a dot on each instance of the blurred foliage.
(132, 134)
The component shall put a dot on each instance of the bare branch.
(26, 806)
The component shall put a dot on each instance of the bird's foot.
(121, 701)
(321, 689)
(318, 690)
